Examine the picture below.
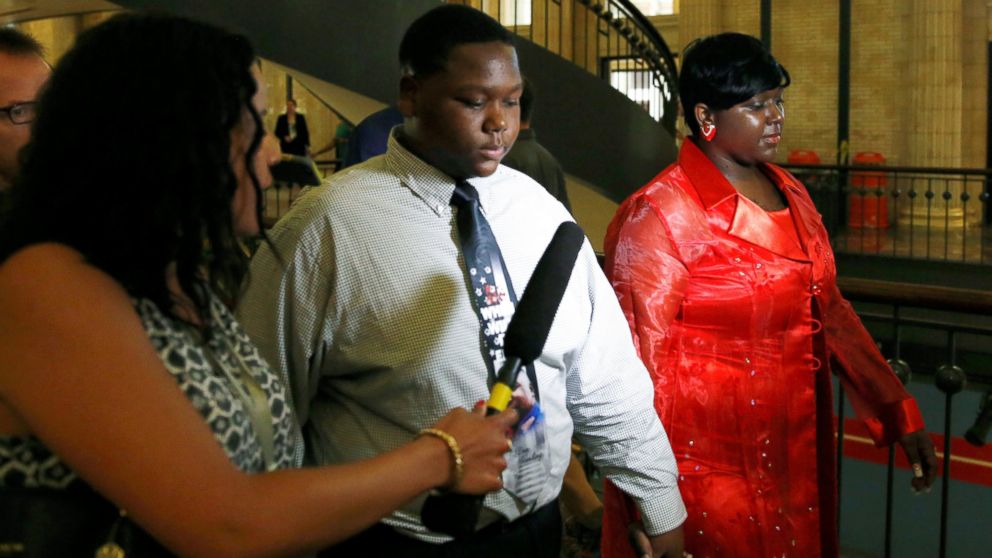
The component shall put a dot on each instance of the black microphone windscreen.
(531, 322)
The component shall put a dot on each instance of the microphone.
(531, 322)
(457, 514)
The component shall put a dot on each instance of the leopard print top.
(26, 462)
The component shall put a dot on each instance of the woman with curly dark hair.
(125, 383)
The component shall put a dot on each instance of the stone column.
(975, 38)
(936, 108)
(935, 83)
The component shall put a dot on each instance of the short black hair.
(18, 43)
(527, 101)
(723, 70)
(430, 39)
(149, 182)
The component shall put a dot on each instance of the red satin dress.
(736, 314)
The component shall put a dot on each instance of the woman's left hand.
(922, 458)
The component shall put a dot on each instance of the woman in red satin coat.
(726, 275)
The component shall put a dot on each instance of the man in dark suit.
(291, 129)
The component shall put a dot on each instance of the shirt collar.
(427, 182)
(710, 184)
(731, 212)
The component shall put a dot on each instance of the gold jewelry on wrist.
(456, 452)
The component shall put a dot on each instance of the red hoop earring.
(709, 132)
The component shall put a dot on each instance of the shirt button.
(737, 260)
(757, 266)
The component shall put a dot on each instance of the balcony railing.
(941, 339)
(909, 212)
(953, 351)
(608, 38)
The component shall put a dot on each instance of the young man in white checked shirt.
(372, 318)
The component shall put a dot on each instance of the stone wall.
(918, 82)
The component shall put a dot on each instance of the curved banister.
(888, 169)
(918, 296)
(909, 294)
(602, 37)
(658, 54)
(664, 54)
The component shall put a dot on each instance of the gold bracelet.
(456, 452)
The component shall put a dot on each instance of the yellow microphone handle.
(499, 399)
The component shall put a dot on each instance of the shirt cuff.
(894, 421)
(663, 512)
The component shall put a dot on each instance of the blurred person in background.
(291, 129)
(530, 157)
(23, 71)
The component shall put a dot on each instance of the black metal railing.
(277, 201)
(909, 212)
(281, 195)
(609, 38)
(939, 351)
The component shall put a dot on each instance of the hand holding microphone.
(457, 514)
(481, 442)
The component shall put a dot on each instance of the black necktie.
(457, 514)
(487, 274)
